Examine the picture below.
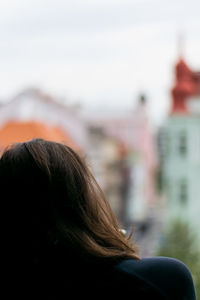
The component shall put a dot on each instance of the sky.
(99, 53)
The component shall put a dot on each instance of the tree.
(180, 241)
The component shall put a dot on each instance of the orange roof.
(14, 131)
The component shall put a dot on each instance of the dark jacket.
(63, 276)
(148, 278)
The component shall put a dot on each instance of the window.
(182, 146)
(183, 191)
(167, 144)
(168, 188)
(164, 144)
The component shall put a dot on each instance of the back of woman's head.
(51, 197)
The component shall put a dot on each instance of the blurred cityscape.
(149, 176)
(119, 82)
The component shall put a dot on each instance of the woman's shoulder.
(154, 265)
(168, 275)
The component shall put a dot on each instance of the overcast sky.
(99, 52)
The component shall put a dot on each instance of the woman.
(62, 234)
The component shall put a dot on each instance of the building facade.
(180, 148)
(118, 148)
(33, 113)
(138, 162)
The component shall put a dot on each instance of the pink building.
(133, 131)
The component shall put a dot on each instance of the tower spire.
(180, 44)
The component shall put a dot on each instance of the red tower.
(187, 85)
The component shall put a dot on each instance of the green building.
(179, 144)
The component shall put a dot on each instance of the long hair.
(52, 193)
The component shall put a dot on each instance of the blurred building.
(179, 143)
(138, 163)
(105, 160)
(119, 148)
(33, 113)
(19, 131)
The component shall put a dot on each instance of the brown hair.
(58, 193)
